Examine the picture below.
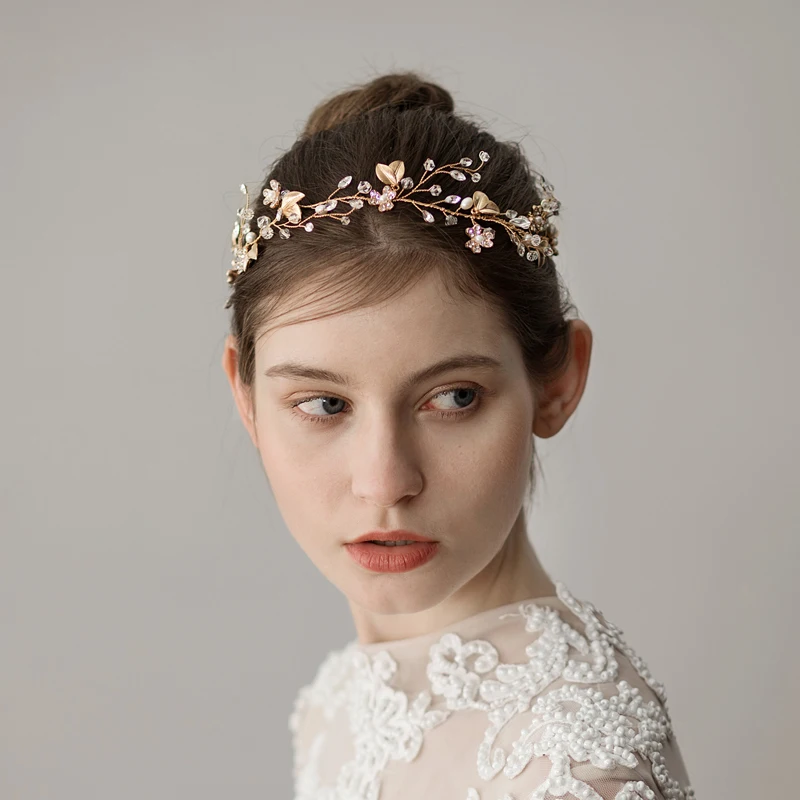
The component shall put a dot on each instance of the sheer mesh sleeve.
(582, 781)
(530, 701)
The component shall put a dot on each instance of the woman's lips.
(400, 534)
(392, 558)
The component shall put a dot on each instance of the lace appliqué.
(384, 724)
(326, 690)
(599, 731)
(598, 627)
(574, 722)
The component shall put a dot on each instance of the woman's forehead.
(427, 307)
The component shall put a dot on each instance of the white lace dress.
(533, 700)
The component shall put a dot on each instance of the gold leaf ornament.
(289, 206)
(391, 174)
(484, 205)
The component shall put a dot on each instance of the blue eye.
(475, 391)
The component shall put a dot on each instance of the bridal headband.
(533, 233)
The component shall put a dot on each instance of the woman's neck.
(513, 574)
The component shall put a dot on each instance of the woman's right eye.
(324, 406)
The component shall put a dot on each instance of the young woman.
(400, 335)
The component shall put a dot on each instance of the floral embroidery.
(598, 627)
(600, 732)
(383, 724)
(327, 689)
(514, 686)
(574, 722)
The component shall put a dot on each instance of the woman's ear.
(560, 397)
(241, 393)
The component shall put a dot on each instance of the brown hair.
(401, 116)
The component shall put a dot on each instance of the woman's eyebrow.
(295, 369)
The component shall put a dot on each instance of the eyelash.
(480, 393)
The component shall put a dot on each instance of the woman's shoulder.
(543, 694)
(569, 707)
(326, 690)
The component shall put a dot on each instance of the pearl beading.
(575, 722)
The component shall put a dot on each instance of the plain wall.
(156, 616)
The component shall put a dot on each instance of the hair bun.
(403, 90)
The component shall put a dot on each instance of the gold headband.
(533, 233)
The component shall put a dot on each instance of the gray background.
(156, 617)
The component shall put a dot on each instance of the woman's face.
(446, 456)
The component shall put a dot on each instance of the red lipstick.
(412, 551)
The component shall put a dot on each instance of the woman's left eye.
(471, 405)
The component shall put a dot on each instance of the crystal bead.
(320, 209)
(522, 222)
(309, 226)
(544, 186)
(466, 162)
(357, 203)
(262, 221)
(511, 213)
(476, 176)
(483, 156)
(452, 198)
(458, 175)
(407, 183)
(267, 233)
(533, 255)
(331, 205)
(284, 233)
(435, 189)
(345, 182)
(279, 215)
(364, 187)
(450, 219)
(521, 250)
(536, 240)
(429, 165)
(427, 216)
(345, 220)
(242, 188)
